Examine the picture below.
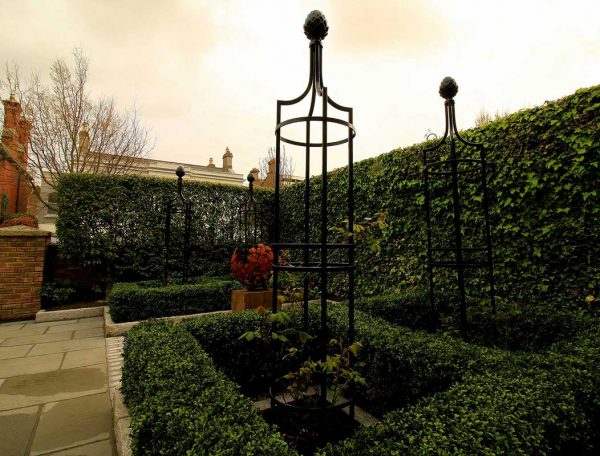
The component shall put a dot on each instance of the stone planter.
(245, 299)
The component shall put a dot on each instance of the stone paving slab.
(14, 352)
(29, 330)
(54, 397)
(83, 358)
(52, 386)
(16, 430)
(30, 365)
(37, 339)
(75, 326)
(66, 346)
(87, 419)
(89, 332)
(102, 448)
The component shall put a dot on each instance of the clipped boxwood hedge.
(117, 223)
(132, 301)
(487, 401)
(180, 404)
(532, 327)
(551, 406)
(401, 365)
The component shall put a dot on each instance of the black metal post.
(316, 29)
(451, 168)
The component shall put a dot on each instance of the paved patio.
(54, 389)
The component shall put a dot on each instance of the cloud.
(377, 26)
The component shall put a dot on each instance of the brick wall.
(15, 141)
(22, 251)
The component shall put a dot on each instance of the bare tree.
(287, 165)
(71, 132)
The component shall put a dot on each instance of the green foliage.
(57, 292)
(3, 204)
(117, 223)
(398, 365)
(409, 307)
(250, 365)
(307, 372)
(545, 205)
(443, 396)
(131, 301)
(180, 404)
(532, 327)
(550, 406)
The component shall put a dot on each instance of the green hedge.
(116, 223)
(132, 301)
(545, 205)
(465, 399)
(400, 365)
(552, 407)
(532, 327)
(180, 404)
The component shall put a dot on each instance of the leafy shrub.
(551, 406)
(532, 327)
(409, 307)
(180, 404)
(400, 365)
(18, 218)
(545, 206)
(57, 292)
(117, 223)
(150, 299)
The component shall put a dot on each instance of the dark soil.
(307, 432)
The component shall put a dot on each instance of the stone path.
(54, 396)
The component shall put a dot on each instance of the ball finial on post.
(448, 88)
(180, 172)
(315, 26)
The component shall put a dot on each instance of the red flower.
(255, 272)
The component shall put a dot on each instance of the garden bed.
(437, 394)
(131, 301)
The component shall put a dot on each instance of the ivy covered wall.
(544, 185)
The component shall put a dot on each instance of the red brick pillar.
(22, 251)
(15, 142)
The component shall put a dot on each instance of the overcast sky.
(207, 74)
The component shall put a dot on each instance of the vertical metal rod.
(305, 290)
(324, 329)
(352, 242)
(167, 240)
(276, 224)
(457, 226)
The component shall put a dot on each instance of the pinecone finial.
(448, 88)
(315, 26)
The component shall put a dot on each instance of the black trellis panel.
(453, 251)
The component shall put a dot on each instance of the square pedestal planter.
(244, 299)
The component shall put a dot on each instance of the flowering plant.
(255, 270)
(19, 219)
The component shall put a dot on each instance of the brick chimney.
(15, 141)
(227, 159)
